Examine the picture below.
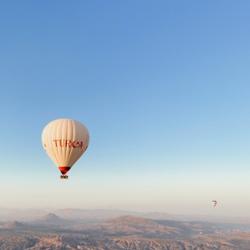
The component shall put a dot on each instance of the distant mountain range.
(99, 215)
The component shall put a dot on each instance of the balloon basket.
(64, 177)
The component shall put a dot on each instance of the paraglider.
(214, 203)
(65, 140)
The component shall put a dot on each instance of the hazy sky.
(163, 86)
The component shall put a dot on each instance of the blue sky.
(163, 87)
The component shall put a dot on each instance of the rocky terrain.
(52, 232)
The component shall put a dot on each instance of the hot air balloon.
(65, 140)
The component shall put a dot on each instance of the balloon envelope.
(65, 141)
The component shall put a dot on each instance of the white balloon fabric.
(65, 140)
